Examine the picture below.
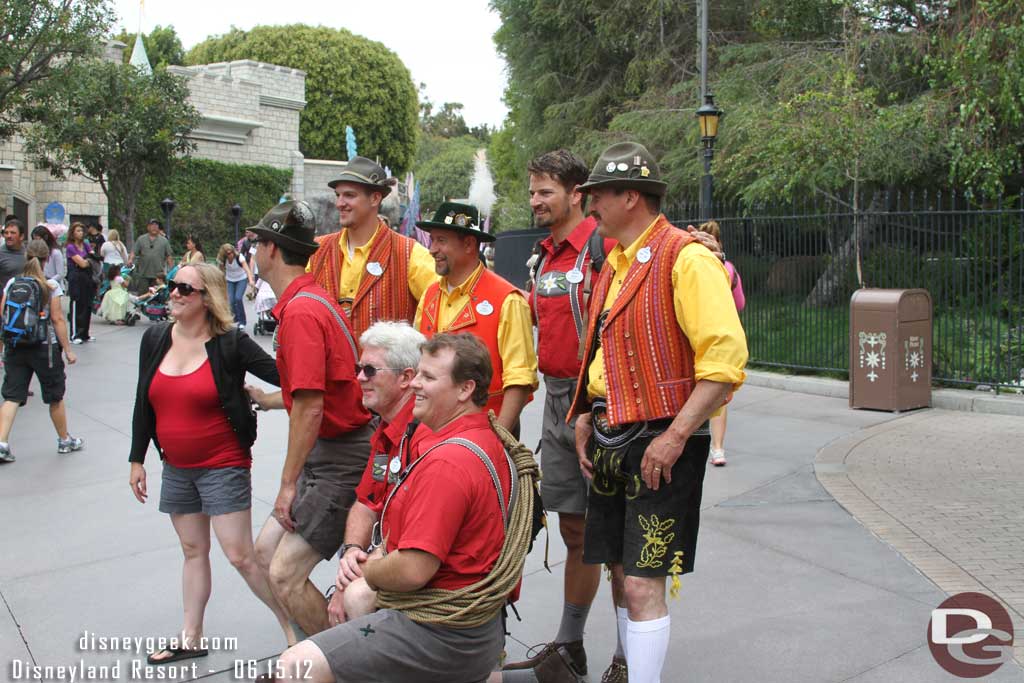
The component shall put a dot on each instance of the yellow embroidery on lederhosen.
(655, 541)
(675, 570)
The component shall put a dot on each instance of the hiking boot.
(617, 671)
(5, 454)
(573, 654)
(69, 444)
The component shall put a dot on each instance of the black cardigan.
(231, 355)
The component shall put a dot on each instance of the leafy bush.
(204, 192)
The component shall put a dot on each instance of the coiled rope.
(478, 603)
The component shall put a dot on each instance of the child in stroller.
(264, 303)
(154, 305)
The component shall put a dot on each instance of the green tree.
(447, 122)
(115, 126)
(978, 61)
(350, 80)
(163, 46)
(35, 37)
(444, 168)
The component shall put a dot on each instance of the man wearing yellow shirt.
(470, 298)
(665, 349)
(375, 273)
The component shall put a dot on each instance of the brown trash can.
(891, 349)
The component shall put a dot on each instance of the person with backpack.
(718, 422)
(190, 402)
(32, 322)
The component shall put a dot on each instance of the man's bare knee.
(571, 529)
(360, 599)
(304, 662)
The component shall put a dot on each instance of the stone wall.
(250, 115)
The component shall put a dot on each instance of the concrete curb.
(946, 399)
(831, 470)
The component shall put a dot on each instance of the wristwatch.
(345, 548)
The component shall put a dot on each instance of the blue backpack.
(26, 313)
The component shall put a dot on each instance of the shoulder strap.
(334, 312)
(597, 255)
(506, 509)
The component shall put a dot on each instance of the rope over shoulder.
(478, 603)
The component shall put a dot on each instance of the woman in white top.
(238, 274)
(113, 251)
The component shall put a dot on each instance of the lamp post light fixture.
(167, 205)
(236, 213)
(708, 115)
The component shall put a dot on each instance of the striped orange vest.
(491, 288)
(648, 360)
(379, 297)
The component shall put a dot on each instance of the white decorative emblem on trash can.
(872, 352)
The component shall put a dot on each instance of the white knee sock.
(621, 617)
(646, 647)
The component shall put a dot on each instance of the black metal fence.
(800, 264)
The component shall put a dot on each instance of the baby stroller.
(156, 307)
(264, 303)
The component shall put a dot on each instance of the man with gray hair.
(387, 365)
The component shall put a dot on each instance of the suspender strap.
(574, 290)
(334, 312)
(534, 277)
(506, 508)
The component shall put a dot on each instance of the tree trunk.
(829, 286)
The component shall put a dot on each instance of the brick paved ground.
(945, 489)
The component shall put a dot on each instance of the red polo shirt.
(379, 475)
(448, 506)
(313, 353)
(557, 343)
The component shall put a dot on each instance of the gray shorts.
(562, 485)
(387, 646)
(210, 490)
(326, 489)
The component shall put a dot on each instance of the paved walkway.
(945, 489)
(789, 586)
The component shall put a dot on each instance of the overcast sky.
(446, 45)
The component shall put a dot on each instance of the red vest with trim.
(649, 363)
(491, 288)
(379, 297)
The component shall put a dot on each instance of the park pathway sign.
(891, 349)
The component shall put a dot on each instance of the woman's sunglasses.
(184, 288)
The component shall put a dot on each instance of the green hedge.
(204, 192)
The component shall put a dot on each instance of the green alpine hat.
(291, 225)
(628, 165)
(464, 218)
(363, 171)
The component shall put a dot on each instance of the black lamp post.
(236, 213)
(168, 205)
(708, 115)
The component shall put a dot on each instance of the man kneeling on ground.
(443, 528)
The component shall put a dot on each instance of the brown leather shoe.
(573, 653)
(617, 672)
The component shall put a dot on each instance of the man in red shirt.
(387, 365)
(328, 427)
(428, 544)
